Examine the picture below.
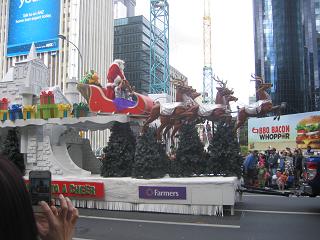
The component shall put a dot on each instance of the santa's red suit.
(113, 72)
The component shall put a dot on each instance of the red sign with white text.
(75, 189)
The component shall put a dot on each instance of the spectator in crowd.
(17, 220)
(281, 180)
(262, 170)
(250, 167)
(289, 152)
(273, 161)
(298, 166)
(288, 163)
(309, 151)
(281, 161)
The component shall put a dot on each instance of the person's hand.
(57, 224)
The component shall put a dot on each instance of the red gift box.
(46, 97)
(43, 97)
(50, 97)
(4, 104)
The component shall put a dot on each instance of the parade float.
(49, 123)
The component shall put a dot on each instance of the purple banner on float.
(154, 192)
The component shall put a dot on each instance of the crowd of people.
(275, 169)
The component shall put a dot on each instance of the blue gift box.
(15, 112)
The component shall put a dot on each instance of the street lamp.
(65, 38)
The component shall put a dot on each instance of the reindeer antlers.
(257, 78)
(221, 82)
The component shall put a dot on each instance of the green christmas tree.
(119, 154)
(150, 159)
(189, 155)
(224, 156)
(11, 149)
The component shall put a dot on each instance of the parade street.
(256, 217)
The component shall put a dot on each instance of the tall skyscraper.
(86, 39)
(132, 44)
(286, 52)
(88, 24)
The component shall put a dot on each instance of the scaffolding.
(159, 46)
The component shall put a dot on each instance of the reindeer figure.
(177, 123)
(221, 109)
(262, 106)
(182, 108)
(211, 112)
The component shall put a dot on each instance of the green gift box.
(80, 110)
(46, 111)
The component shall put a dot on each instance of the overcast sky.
(232, 41)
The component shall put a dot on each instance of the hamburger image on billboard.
(308, 132)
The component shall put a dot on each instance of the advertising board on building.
(293, 130)
(33, 21)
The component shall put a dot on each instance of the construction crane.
(159, 46)
(207, 67)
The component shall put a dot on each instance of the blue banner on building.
(33, 21)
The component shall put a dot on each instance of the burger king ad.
(293, 130)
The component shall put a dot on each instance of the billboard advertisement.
(33, 21)
(294, 131)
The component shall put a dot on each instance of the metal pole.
(65, 38)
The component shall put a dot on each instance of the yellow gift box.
(64, 110)
(4, 115)
(29, 112)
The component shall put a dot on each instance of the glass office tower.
(132, 44)
(286, 52)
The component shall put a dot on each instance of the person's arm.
(57, 224)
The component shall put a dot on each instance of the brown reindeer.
(176, 123)
(222, 108)
(263, 106)
(183, 107)
(216, 112)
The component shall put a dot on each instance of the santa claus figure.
(115, 76)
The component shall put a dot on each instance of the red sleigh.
(98, 102)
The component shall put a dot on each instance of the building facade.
(88, 24)
(124, 8)
(132, 44)
(286, 52)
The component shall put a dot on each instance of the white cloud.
(232, 41)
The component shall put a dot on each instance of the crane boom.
(207, 67)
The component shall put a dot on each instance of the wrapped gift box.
(46, 111)
(64, 110)
(80, 110)
(4, 104)
(29, 111)
(4, 115)
(46, 97)
(15, 112)
(87, 77)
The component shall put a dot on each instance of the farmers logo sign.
(151, 192)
